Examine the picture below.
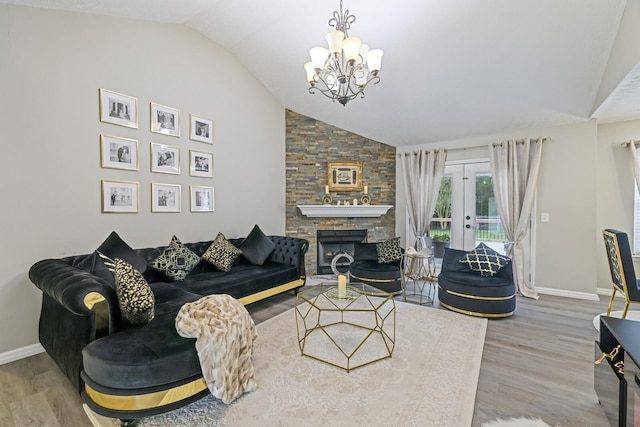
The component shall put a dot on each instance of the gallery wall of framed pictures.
(118, 152)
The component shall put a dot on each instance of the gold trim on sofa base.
(166, 397)
(271, 292)
(474, 313)
(146, 401)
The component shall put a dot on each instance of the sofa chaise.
(131, 370)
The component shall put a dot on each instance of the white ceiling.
(451, 69)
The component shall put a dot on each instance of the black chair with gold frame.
(623, 274)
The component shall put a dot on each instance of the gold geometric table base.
(347, 333)
(420, 271)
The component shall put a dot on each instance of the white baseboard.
(568, 294)
(20, 353)
(609, 291)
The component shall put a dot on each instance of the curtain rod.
(495, 144)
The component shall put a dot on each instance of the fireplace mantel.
(351, 211)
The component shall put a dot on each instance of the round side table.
(419, 270)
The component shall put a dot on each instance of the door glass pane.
(489, 229)
(441, 223)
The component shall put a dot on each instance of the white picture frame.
(200, 164)
(165, 120)
(118, 109)
(201, 199)
(165, 197)
(200, 129)
(165, 159)
(119, 196)
(118, 153)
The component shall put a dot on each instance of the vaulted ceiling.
(451, 69)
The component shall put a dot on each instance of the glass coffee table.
(347, 331)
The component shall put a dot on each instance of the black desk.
(617, 377)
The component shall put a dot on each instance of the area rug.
(431, 380)
(517, 422)
(631, 315)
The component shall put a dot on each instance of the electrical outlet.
(544, 217)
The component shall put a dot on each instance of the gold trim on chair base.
(373, 281)
(474, 313)
(458, 294)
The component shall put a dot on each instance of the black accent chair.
(365, 268)
(623, 275)
(465, 291)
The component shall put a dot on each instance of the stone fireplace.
(310, 145)
(335, 242)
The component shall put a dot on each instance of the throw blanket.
(224, 333)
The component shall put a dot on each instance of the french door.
(466, 211)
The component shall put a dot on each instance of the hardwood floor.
(537, 363)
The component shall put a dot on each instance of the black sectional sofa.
(130, 371)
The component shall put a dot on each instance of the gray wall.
(52, 65)
(615, 188)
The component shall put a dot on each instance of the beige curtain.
(636, 162)
(421, 172)
(515, 166)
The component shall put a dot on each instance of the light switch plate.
(544, 217)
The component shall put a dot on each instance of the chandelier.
(343, 71)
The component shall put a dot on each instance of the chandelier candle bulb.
(366, 189)
(326, 189)
(351, 49)
(342, 286)
(318, 57)
(374, 60)
(311, 72)
(334, 39)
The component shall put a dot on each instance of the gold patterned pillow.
(176, 261)
(221, 253)
(135, 296)
(389, 251)
(485, 260)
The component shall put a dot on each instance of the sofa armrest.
(290, 250)
(67, 320)
(73, 288)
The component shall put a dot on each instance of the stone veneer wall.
(311, 145)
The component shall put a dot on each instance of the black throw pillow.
(365, 252)
(257, 247)
(113, 247)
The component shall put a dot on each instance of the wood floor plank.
(537, 363)
(6, 419)
(33, 411)
(65, 403)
